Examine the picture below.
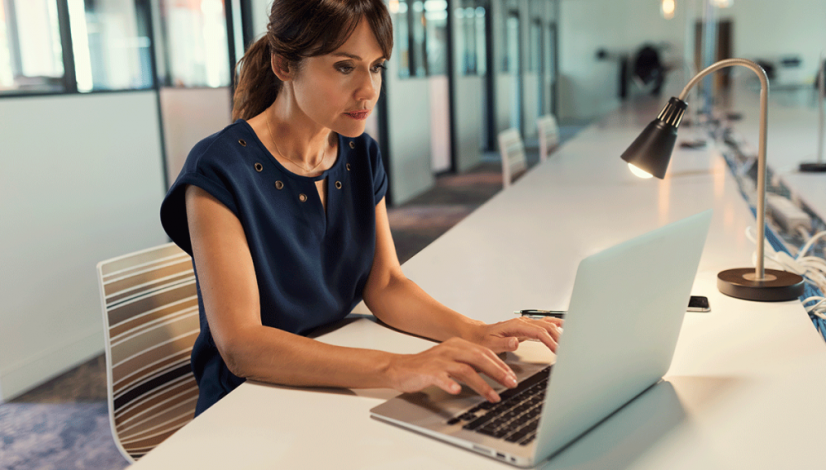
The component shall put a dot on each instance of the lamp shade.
(651, 151)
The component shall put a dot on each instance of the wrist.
(473, 331)
(388, 370)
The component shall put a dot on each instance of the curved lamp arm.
(761, 152)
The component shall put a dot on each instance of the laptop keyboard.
(516, 417)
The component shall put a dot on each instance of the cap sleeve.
(202, 171)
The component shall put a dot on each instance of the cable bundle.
(813, 270)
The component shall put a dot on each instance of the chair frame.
(105, 309)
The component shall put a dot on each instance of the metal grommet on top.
(338, 184)
(352, 144)
(242, 142)
(348, 167)
(302, 197)
(279, 185)
(259, 167)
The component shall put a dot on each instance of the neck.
(299, 137)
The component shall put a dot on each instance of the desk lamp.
(650, 153)
(819, 165)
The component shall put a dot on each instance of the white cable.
(809, 244)
(812, 268)
(819, 308)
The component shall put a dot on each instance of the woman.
(284, 215)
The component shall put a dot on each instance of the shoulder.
(220, 150)
(218, 164)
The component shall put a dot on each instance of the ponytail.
(256, 85)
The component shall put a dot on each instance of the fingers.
(446, 384)
(484, 360)
(546, 330)
(503, 344)
(472, 379)
(556, 321)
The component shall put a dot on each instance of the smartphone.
(698, 303)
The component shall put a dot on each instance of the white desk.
(744, 390)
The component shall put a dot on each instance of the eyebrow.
(352, 56)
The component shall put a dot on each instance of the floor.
(63, 424)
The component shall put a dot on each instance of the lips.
(359, 115)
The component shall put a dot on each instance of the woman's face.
(338, 90)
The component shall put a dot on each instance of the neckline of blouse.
(289, 173)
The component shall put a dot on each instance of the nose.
(368, 86)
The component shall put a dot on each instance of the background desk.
(744, 390)
(791, 140)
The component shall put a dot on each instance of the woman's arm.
(402, 304)
(231, 301)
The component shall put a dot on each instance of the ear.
(280, 68)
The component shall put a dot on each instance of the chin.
(350, 131)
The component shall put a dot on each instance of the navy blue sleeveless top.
(311, 267)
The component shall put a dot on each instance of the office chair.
(548, 135)
(513, 155)
(150, 322)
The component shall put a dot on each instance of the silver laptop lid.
(624, 317)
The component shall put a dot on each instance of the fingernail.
(493, 397)
(513, 343)
(511, 381)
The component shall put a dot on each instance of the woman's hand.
(506, 335)
(443, 365)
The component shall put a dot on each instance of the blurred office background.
(101, 100)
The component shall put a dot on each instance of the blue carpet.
(63, 436)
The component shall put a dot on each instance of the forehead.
(361, 43)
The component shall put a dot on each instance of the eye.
(378, 68)
(344, 67)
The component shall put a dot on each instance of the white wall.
(531, 105)
(770, 29)
(467, 99)
(439, 123)
(408, 105)
(81, 181)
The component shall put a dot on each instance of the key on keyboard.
(516, 417)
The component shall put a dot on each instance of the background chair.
(513, 155)
(150, 322)
(548, 135)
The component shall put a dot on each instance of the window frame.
(144, 8)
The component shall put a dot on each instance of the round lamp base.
(778, 286)
(812, 167)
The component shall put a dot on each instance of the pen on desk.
(541, 313)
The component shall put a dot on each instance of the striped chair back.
(150, 322)
(548, 135)
(513, 155)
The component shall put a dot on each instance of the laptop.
(621, 330)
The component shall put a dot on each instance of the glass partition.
(471, 39)
(194, 43)
(435, 22)
(420, 30)
(31, 56)
(111, 44)
(535, 45)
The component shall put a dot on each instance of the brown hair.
(299, 29)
